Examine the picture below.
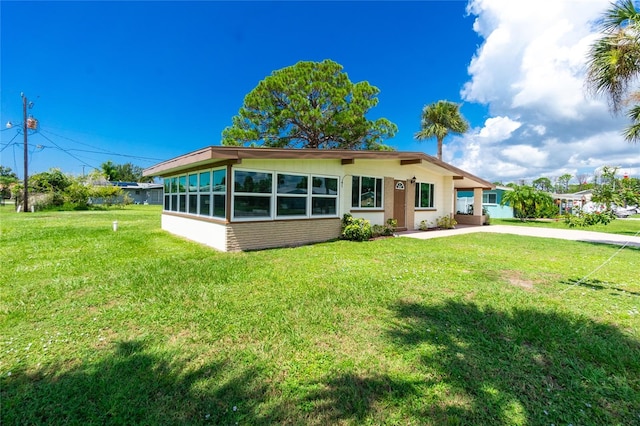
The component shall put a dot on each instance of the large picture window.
(424, 195)
(292, 195)
(324, 199)
(366, 192)
(252, 194)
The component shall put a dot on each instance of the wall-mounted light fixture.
(413, 179)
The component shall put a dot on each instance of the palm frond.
(632, 133)
(622, 14)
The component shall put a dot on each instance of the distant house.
(491, 199)
(142, 193)
(568, 203)
(236, 198)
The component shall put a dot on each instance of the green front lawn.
(141, 327)
(617, 226)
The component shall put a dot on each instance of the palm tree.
(440, 119)
(518, 199)
(614, 61)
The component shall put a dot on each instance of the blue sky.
(144, 81)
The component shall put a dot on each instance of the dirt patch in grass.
(516, 278)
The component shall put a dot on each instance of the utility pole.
(25, 201)
(27, 123)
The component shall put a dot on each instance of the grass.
(140, 327)
(617, 226)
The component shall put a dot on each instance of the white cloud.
(530, 72)
(497, 129)
(525, 155)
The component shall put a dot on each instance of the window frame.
(418, 196)
(335, 197)
(378, 193)
(488, 195)
(180, 185)
(275, 195)
(269, 195)
(279, 195)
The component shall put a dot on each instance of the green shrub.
(583, 219)
(424, 225)
(355, 229)
(385, 230)
(446, 222)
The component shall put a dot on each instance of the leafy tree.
(527, 202)
(612, 191)
(438, 120)
(126, 172)
(563, 183)
(543, 184)
(7, 179)
(309, 105)
(109, 170)
(50, 181)
(614, 62)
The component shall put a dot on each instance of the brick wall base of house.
(286, 233)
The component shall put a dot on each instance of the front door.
(400, 203)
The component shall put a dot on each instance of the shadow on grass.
(463, 364)
(520, 367)
(598, 285)
(132, 386)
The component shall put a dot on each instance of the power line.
(67, 152)
(9, 143)
(86, 150)
(102, 150)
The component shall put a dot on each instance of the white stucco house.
(237, 198)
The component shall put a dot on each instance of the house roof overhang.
(213, 156)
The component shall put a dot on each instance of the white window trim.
(197, 192)
(274, 196)
(271, 195)
(330, 196)
(433, 186)
(381, 208)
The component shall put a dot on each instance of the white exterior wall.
(430, 216)
(208, 233)
(443, 186)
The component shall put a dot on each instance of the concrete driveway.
(563, 234)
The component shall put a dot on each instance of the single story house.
(491, 202)
(239, 198)
(568, 203)
(142, 193)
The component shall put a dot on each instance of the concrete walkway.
(563, 234)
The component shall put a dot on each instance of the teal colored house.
(491, 199)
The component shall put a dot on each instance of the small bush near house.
(355, 229)
(424, 225)
(385, 230)
(446, 222)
